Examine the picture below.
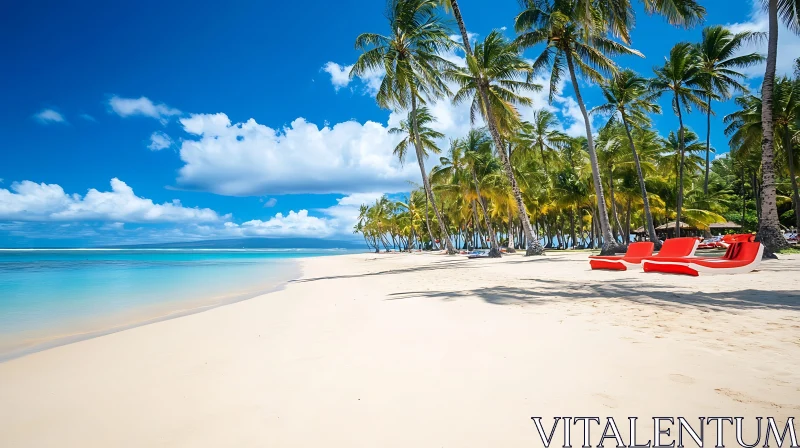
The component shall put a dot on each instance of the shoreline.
(201, 306)
(400, 350)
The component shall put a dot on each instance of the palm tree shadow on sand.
(543, 291)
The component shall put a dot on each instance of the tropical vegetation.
(516, 180)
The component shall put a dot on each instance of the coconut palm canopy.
(515, 178)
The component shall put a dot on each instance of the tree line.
(522, 182)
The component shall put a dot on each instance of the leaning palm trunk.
(534, 247)
(648, 217)
(682, 150)
(769, 231)
(494, 252)
(426, 183)
(476, 233)
(795, 194)
(510, 248)
(708, 145)
(572, 228)
(434, 246)
(614, 207)
(609, 244)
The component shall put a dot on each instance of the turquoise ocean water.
(51, 297)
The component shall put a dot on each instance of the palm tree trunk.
(510, 248)
(544, 160)
(682, 151)
(494, 252)
(434, 246)
(426, 183)
(559, 241)
(476, 234)
(769, 232)
(617, 229)
(744, 198)
(572, 228)
(648, 217)
(708, 144)
(533, 245)
(609, 245)
(756, 194)
(795, 195)
(628, 222)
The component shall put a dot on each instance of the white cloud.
(159, 140)
(29, 201)
(47, 116)
(293, 224)
(788, 42)
(336, 221)
(340, 76)
(271, 202)
(253, 159)
(126, 107)
(88, 117)
(344, 214)
(249, 158)
(473, 37)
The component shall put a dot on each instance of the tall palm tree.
(627, 95)
(786, 115)
(681, 76)
(719, 59)
(769, 231)
(492, 82)
(745, 126)
(414, 70)
(579, 49)
(427, 140)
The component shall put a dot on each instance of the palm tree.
(619, 16)
(427, 137)
(745, 126)
(627, 95)
(681, 76)
(477, 149)
(769, 231)
(786, 115)
(718, 57)
(410, 57)
(540, 134)
(572, 46)
(491, 81)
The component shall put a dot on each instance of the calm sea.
(51, 297)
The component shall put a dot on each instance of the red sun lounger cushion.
(740, 258)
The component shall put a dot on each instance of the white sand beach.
(400, 350)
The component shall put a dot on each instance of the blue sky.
(165, 121)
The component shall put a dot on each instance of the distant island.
(250, 243)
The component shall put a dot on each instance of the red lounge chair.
(740, 258)
(739, 238)
(676, 248)
(631, 260)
